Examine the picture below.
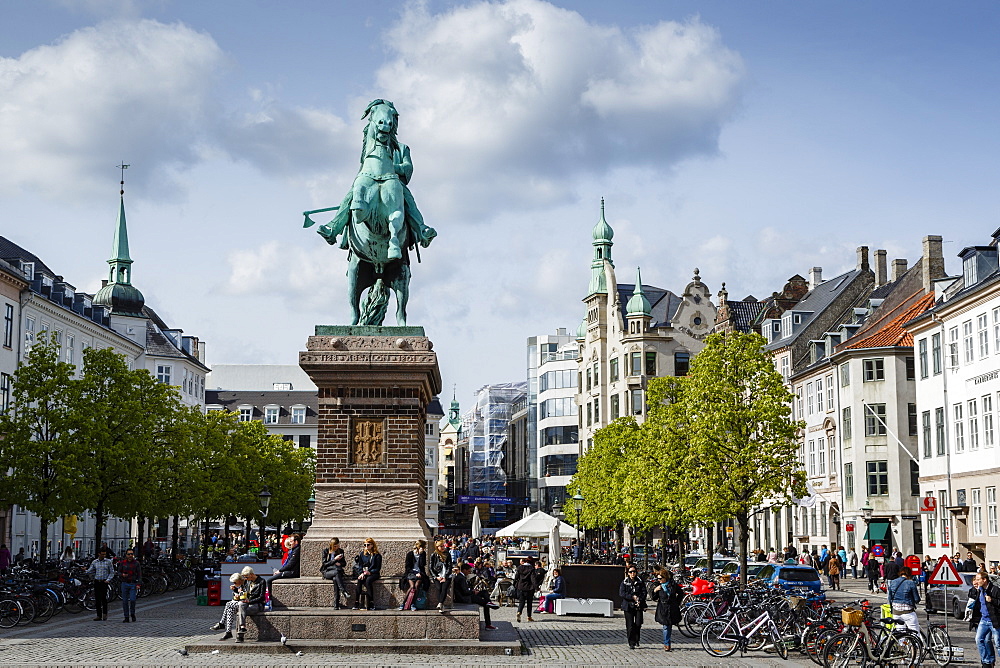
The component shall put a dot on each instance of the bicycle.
(724, 637)
(889, 648)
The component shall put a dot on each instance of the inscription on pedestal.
(368, 442)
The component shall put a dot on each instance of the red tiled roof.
(892, 333)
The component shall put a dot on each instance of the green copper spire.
(602, 251)
(581, 331)
(638, 305)
(454, 417)
(118, 293)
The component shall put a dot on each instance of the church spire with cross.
(118, 293)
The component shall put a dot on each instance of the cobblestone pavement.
(173, 621)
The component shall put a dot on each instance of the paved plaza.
(170, 622)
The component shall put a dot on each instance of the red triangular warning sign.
(945, 573)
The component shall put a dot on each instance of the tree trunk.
(743, 521)
(246, 534)
(226, 520)
(204, 537)
(43, 544)
(98, 525)
(710, 547)
(680, 554)
(645, 542)
(140, 536)
(175, 538)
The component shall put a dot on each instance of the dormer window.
(271, 415)
(970, 270)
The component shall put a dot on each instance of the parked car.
(753, 569)
(791, 577)
(957, 596)
(718, 564)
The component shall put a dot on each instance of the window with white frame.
(973, 422)
(922, 356)
(819, 395)
(942, 445)
(5, 381)
(298, 415)
(429, 429)
(878, 478)
(936, 353)
(831, 443)
(874, 369)
(987, 418)
(163, 373)
(846, 423)
(430, 457)
(991, 510)
(809, 398)
(70, 349)
(271, 414)
(431, 490)
(967, 349)
(784, 367)
(977, 512)
(959, 428)
(823, 526)
(246, 413)
(953, 347)
(983, 334)
(820, 456)
(996, 328)
(29, 332)
(829, 392)
(811, 457)
(798, 402)
(925, 419)
(845, 374)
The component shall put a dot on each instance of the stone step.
(503, 641)
(315, 623)
(315, 592)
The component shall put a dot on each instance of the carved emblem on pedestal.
(368, 442)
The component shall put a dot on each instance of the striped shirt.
(102, 569)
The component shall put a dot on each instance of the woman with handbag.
(904, 597)
(332, 568)
(367, 569)
(668, 604)
(415, 576)
(441, 572)
(633, 594)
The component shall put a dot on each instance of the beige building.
(655, 333)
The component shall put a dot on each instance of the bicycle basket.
(852, 616)
(796, 602)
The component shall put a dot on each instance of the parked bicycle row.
(32, 593)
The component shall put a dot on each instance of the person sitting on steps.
(367, 569)
(332, 568)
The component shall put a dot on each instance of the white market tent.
(536, 525)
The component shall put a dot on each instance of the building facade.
(552, 446)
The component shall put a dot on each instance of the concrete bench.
(584, 606)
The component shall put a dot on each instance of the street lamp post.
(577, 500)
(867, 511)
(264, 501)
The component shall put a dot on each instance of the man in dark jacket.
(290, 566)
(969, 565)
(633, 594)
(526, 583)
(464, 594)
(471, 551)
(984, 597)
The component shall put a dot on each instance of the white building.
(958, 389)
(432, 437)
(553, 446)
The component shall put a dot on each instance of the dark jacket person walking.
(526, 583)
(633, 594)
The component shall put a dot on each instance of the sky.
(753, 140)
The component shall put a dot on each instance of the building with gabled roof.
(631, 333)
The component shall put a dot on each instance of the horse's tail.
(375, 304)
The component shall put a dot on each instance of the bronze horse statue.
(378, 222)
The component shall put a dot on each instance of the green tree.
(743, 449)
(600, 474)
(129, 423)
(44, 460)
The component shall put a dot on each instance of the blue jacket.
(903, 590)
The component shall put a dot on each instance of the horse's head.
(383, 121)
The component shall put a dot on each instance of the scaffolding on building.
(485, 425)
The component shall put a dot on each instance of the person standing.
(904, 597)
(874, 573)
(984, 599)
(4, 558)
(290, 565)
(668, 605)
(130, 574)
(970, 565)
(102, 570)
(633, 594)
(525, 585)
(332, 568)
(441, 572)
(367, 569)
(833, 570)
(852, 559)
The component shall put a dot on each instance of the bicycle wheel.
(10, 613)
(938, 646)
(28, 609)
(690, 625)
(45, 607)
(901, 651)
(717, 640)
(844, 649)
(779, 644)
(819, 643)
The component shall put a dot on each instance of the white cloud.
(507, 104)
(132, 90)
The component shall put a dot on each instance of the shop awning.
(877, 531)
